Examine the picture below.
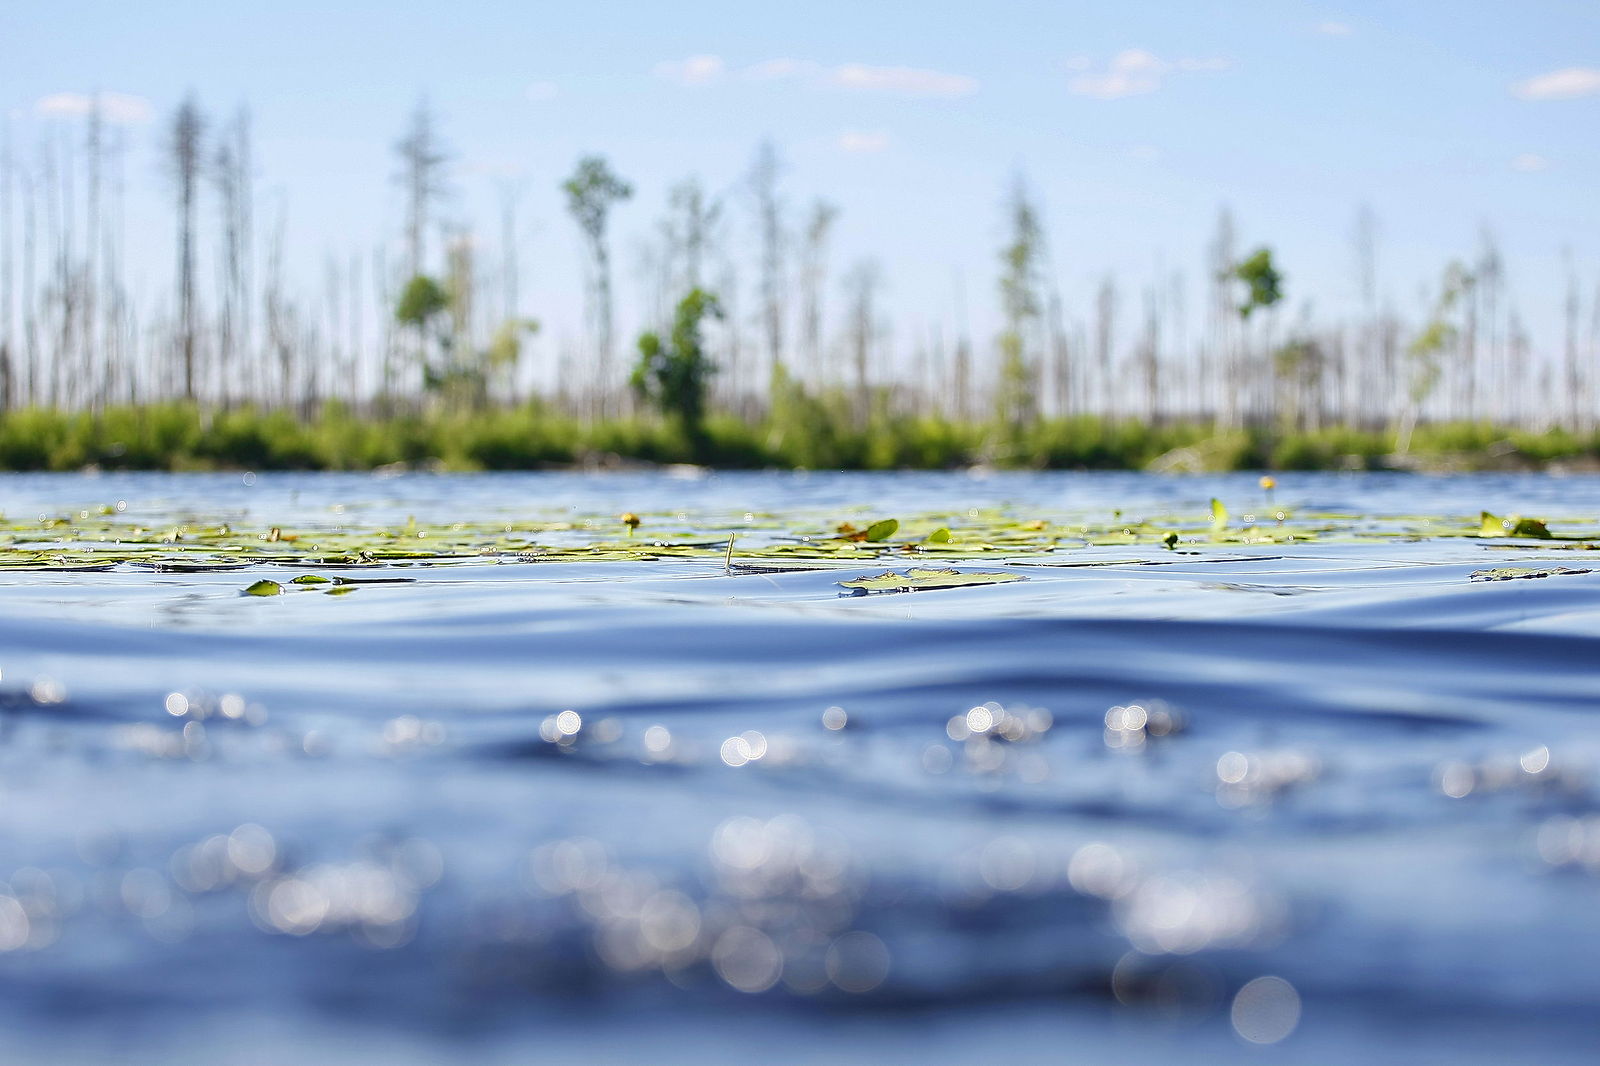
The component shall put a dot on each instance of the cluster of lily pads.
(108, 538)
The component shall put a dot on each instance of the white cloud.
(1134, 72)
(1335, 29)
(1528, 163)
(118, 108)
(779, 69)
(696, 70)
(1209, 65)
(902, 81)
(1560, 84)
(863, 141)
(542, 92)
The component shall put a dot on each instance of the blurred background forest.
(728, 328)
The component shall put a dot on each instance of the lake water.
(1319, 802)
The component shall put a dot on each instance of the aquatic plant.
(105, 537)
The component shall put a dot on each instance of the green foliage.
(1263, 283)
(819, 432)
(675, 375)
(882, 530)
(591, 191)
(421, 300)
(1513, 526)
(505, 347)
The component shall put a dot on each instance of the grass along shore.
(185, 437)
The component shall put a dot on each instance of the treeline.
(822, 434)
(754, 347)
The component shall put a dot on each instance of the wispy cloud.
(1335, 29)
(1133, 72)
(119, 108)
(696, 70)
(542, 92)
(780, 69)
(901, 81)
(1560, 84)
(863, 141)
(861, 77)
(1528, 163)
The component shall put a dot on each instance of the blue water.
(1317, 803)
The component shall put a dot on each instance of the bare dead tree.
(962, 385)
(813, 279)
(862, 284)
(1224, 320)
(1149, 353)
(88, 330)
(763, 181)
(1490, 270)
(1572, 309)
(231, 184)
(691, 230)
(422, 161)
(1060, 353)
(1105, 326)
(185, 145)
(9, 391)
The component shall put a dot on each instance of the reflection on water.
(654, 812)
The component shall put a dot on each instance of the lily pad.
(1513, 526)
(1516, 573)
(919, 579)
(882, 530)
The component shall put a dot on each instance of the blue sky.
(1133, 122)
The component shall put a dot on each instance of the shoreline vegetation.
(741, 343)
(822, 435)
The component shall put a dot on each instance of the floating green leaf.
(919, 579)
(1513, 526)
(310, 579)
(1515, 573)
(1219, 514)
(882, 530)
(263, 588)
(939, 536)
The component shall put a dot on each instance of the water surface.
(1311, 802)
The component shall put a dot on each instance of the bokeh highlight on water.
(1324, 802)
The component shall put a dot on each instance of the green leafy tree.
(450, 366)
(674, 374)
(421, 307)
(1263, 283)
(592, 191)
